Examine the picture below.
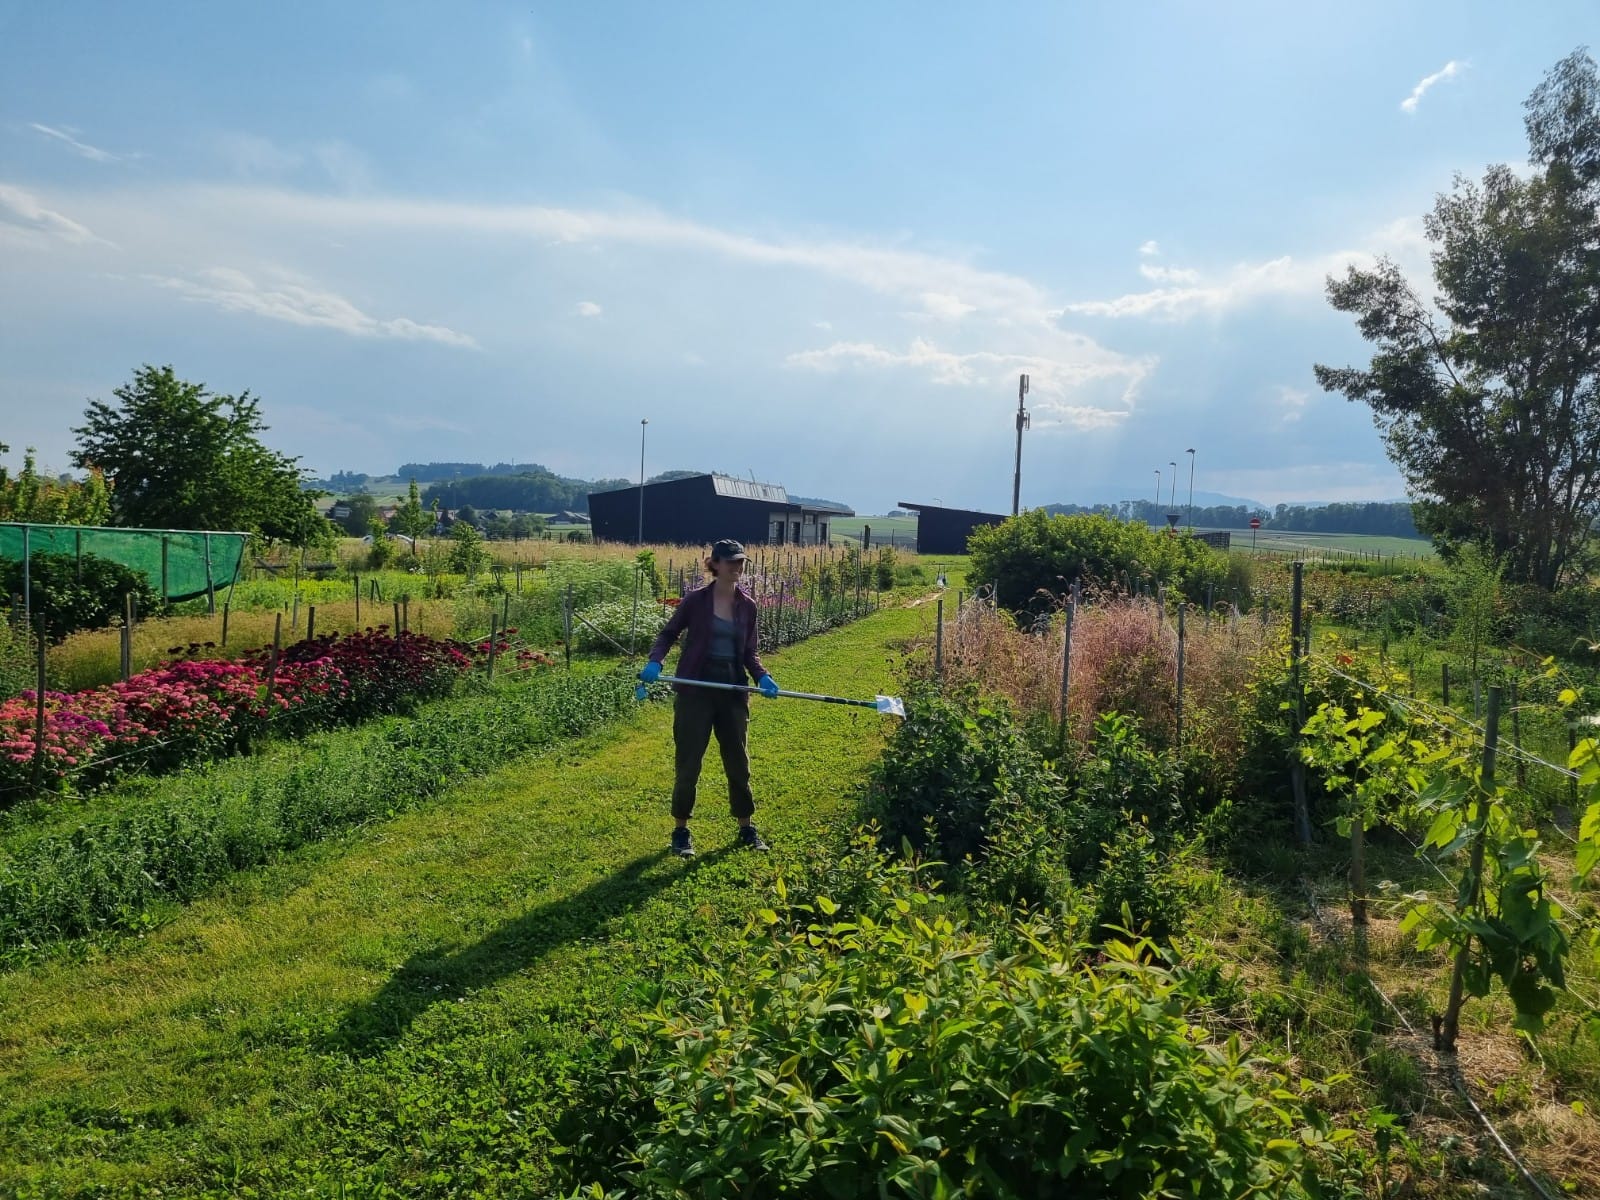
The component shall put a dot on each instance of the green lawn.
(398, 1009)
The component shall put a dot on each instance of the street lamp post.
(1190, 453)
(638, 570)
(1173, 499)
(643, 421)
(1158, 489)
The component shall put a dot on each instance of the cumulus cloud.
(1449, 71)
(1187, 293)
(23, 212)
(300, 302)
(588, 308)
(1150, 247)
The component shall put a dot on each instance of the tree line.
(1387, 519)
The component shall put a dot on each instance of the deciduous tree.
(178, 457)
(1489, 396)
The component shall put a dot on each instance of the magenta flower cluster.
(194, 709)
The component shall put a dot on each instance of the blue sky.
(813, 243)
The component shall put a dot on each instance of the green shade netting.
(181, 564)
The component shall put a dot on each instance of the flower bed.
(196, 709)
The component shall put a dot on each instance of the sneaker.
(750, 839)
(682, 843)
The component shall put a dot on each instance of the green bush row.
(960, 782)
(110, 874)
(885, 1046)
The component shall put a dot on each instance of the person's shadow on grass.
(431, 976)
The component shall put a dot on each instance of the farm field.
(336, 1016)
(417, 1002)
(901, 528)
(1357, 543)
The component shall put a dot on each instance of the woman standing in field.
(719, 621)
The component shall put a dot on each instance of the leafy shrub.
(1135, 888)
(1124, 775)
(895, 1050)
(614, 623)
(953, 768)
(1034, 559)
(382, 552)
(884, 573)
(468, 555)
(68, 596)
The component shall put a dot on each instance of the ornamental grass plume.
(1124, 659)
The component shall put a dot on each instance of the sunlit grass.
(405, 1002)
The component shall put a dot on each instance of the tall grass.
(1124, 659)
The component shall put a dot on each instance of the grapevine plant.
(1497, 921)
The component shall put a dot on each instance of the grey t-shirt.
(724, 639)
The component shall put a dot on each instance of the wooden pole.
(1066, 670)
(1178, 740)
(127, 635)
(494, 637)
(1447, 1028)
(1297, 767)
(311, 622)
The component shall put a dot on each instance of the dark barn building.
(945, 530)
(702, 508)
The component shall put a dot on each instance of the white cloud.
(945, 307)
(1052, 379)
(22, 211)
(1189, 293)
(1449, 71)
(298, 302)
(1169, 274)
(907, 274)
(94, 153)
(825, 325)
(1150, 247)
(588, 308)
(1291, 403)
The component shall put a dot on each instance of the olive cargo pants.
(697, 713)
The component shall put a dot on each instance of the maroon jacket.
(693, 615)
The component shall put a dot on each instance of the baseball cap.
(726, 549)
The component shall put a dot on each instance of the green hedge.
(1034, 559)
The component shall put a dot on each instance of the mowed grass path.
(401, 1008)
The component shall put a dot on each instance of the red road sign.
(1255, 522)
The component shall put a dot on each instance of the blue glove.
(651, 672)
(639, 693)
(768, 686)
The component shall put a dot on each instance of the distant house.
(943, 530)
(699, 509)
(568, 518)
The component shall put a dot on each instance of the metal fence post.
(938, 641)
(1066, 670)
(38, 710)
